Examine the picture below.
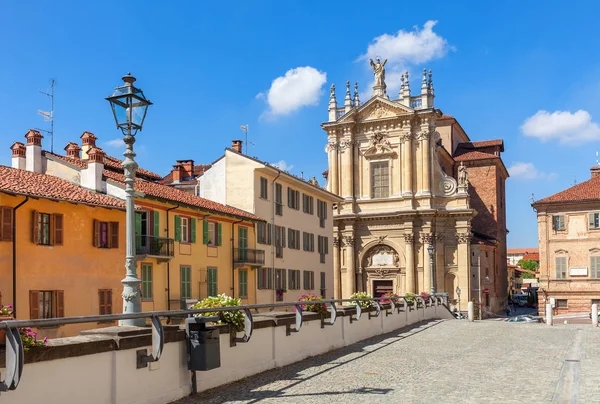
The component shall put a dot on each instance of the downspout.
(14, 254)
(168, 263)
(273, 236)
(233, 258)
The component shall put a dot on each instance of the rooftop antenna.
(574, 180)
(49, 116)
(532, 198)
(597, 162)
(245, 129)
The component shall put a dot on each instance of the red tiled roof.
(584, 191)
(115, 164)
(474, 155)
(446, 116)
(534, 256)
(198, 171)
(24, 182)
(488, 143)
(175, 195)
(73, 161)
(521, 250)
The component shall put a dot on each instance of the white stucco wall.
(212, 184)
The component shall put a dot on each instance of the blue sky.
(210, 68)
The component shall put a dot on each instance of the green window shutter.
(204, 232)
(219, 233)
(326, 242)
(282, 236)
(591, 221)
(177, 228)
(138, 231)
(193, 228)
(155, 221)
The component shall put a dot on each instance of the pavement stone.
(439, 361)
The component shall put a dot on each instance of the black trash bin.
(202, 343)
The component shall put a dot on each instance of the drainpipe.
(168, 263)
(14, 254)
(233, 258)
(273, 235)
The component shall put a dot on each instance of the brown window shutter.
(96, 234)
(58, 229)
(34, 227)
(60, 303)
(108, 302)
(101, 303)
(34, 304)
(6, 223)
(113, 228)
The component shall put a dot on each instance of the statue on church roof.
(378, 71)
(463, 175)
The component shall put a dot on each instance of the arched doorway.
(381, 264)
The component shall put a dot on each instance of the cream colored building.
(569, 245)
(297, 237)
(405, 184)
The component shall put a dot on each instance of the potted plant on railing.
(233, 317)
(29, 338)
(425, 296)
(313, 307)
(5, 314)
(365, 304)
(156, 246)
(279, 293)
(410, 299)
(388, 297)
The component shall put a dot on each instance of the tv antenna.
(597, 162)
(49, 116)
(245, 129)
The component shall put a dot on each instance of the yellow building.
(186, 246)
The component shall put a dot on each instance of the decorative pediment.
(379, 146)
(376, 108)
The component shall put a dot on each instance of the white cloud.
(299, 87)
(527, 171)
(404, 49)
(567, 128)
(115, 143)
(282, 165)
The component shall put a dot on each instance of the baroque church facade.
(423, 206)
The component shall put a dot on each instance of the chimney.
(18, 155)
(91, 177)
(33, 151)
(88, 141)
(72, 149)
(595, 171)
(188, 168)
(178, 173)
(236, 145)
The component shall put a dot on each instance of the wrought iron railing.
(157, 246)
(248, 256)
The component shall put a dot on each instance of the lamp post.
(458, 295)
(129, 108)
(431, 250)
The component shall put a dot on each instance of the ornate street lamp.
(129, 108)
(431, 250)
(458, 295)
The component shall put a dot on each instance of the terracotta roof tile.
(584, 191)
(73, 161)
(24, 182)
(488, 143)
(474, 155)
(198, 171)
(115, 164)
(521, 250)
(175, 195)
(534, 256)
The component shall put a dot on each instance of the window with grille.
(379, 180)
(560, 264)
(562, 304)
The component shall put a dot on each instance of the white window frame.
(185, 229)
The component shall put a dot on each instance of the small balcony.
(248, 256)
(161, 248)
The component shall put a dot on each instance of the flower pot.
(3, 331)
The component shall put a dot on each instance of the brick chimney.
(18, 155)
(595, 171)
(178, 172)
(91, 177)
(33, 151)
(72, 149)
(188, 168)
(88, 141)
(236, 145)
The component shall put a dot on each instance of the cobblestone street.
(438, 362)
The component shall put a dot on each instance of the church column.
(426, 238)
(407, 164)
(425, 135)
(336, 268)
(464, 264)
(347, 165)
(332, 150)
(350, 281)
(410, 263)
(440, 264)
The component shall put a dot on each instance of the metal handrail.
(49, 322)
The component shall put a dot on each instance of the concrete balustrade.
(99, 368)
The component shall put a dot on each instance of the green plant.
(410, 298)
(362, 295)
(315, 307)
(234, 317)
(388, 297)
(6, 310)
(29, 338)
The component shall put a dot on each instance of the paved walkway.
(438, 362)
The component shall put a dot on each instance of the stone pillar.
(426, 239)
(332, 151)
(347, 167)
(336, 268)
(410, 263)
(471, 311)
(440, 284)
(464, 261)
(548, 314)
(407, 164)
(426, 161)
(595, 315)
(350, 281)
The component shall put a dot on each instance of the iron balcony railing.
(157, 246)
(248, 256)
